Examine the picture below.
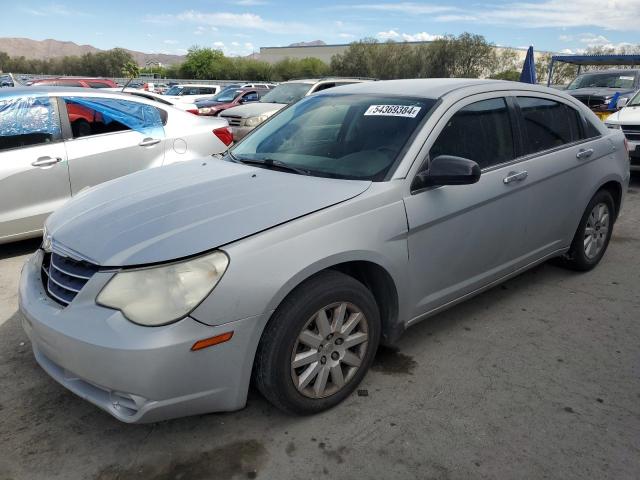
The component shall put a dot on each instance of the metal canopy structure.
(600, 60)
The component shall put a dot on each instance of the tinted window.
(250, 97)
(27, 121)
(480, 132)
(344, 136)
(547, 124)
(591, 130)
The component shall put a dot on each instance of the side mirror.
(622, 102)
(448, 170)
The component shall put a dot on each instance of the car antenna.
(126, 85)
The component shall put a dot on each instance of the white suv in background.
(244, 118)
(190, 92)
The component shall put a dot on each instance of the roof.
(434, 87)
(598, 59)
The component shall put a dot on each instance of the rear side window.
(591, 130)
(548, 124)
(28, 121)
(480, 132)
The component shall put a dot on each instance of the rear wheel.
(319, 344)
(593, 234)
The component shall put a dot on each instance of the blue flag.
(528, 74)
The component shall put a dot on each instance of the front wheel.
(319, 344)
(593, 234)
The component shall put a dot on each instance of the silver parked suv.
(340, 222)
(244, 118)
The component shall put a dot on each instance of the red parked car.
(77, 82)
(229, 98)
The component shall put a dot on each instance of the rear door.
(559, 158)
(34, 179)
(110, 137)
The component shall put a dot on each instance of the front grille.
(233, 121)
(63, 277)
(595, 102)
(632, 132)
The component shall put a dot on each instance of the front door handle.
(515, 177)
(46, 161)
(584, 153)
(147, 142)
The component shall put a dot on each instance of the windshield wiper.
(270, 163)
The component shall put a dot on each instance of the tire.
(325, 346)
(600, 214)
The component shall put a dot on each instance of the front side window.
(96, 116)
(28, 121)
(603, 80)
(250, 97)
(340, 136)
(480, 132)
(548, 124)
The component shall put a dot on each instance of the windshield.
(225, 96)
(175, 90)
(635, 101)
(287, 93)
(340, 136)
(603, 80)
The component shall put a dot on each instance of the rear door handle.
(584, 153)
(515, 177)
(147, 142)
(46, 161)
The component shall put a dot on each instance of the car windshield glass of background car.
(175, 90)
(226, 96)
(341, 136)
(603, 80)
(286, 93)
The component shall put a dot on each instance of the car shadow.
(15, 249)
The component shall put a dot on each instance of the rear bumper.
(137, 374)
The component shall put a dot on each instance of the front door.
(463, 237)
(34, 179)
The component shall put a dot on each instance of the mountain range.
(46, 49)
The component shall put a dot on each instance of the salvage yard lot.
(537, 378)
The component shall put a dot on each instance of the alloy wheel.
(329, 350)
(596, 230)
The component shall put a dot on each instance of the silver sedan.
(57, 142)
(339, 223)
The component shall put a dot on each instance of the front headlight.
(159, 295)
(46, 240)
(613, 126)
(254, 121)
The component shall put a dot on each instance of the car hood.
(254, 109)
(628, 115)
(599, 92)
(184, 209)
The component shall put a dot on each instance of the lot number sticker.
(408, 111)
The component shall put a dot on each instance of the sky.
(241, 27)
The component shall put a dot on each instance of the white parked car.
(628, 120)
(56, 142)
(190, 92)
(158, 97)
